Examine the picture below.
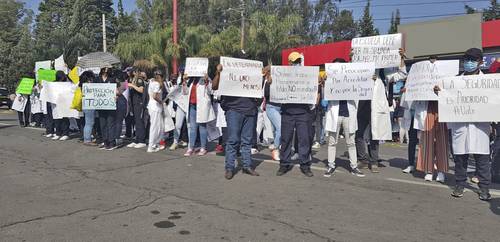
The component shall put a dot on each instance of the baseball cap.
(474, 53)
(294, 56)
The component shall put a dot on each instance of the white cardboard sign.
(349, 81)
(424, 76)
(240, 78)
(383, 50)
(294, 84)
(196, 67)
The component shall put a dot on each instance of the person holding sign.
(471, 138)
(375, 113)
(155, 110)
(107, 118)
(241, 118)
(89, 114)
(61, 123)
(342, 114)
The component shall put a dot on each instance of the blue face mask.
(470, 66)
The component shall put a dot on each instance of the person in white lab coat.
(375, 113)
(342, 114)
(155, 110)
(471, 139)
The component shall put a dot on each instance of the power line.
(411, 4)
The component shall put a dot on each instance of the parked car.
(4, 98)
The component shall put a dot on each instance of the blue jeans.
(240, 130)
(89, 125)
(193, 130)
(274, 115)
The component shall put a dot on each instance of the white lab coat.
(420, 108)
(204, 110)
(332, 116)
(470, 138)
(380, 116)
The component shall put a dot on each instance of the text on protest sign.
(383, 50)
(46, 75)
(472, 98)
(99, 96)
(176, 94)
(25, 86)
(294, 84)
(424, 76)
(349, 81)
(240, 78)
(196, 67)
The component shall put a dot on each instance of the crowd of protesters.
(290, 131)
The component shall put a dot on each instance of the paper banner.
(349, 81)
(99, 96)
(25, 86)
(383, 50)
(240, 78)
(46, 75)
(196, 67)
(294, 84)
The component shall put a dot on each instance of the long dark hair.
(60, 76)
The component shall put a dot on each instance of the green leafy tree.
(493, 12)
(344, 26)
(395, 21)
(365, 24)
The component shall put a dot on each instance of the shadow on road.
(6, 126)
(8, 119)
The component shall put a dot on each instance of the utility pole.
(105, 49)
(242, 41)
(174, 15)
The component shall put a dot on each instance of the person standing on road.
(136, 94)
(471, 139)
(342, 115)
(61, 124)
(241, 117)
(89, 114)
(107, 118)
(273, 111)
(155, 110)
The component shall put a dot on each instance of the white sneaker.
(49, 135)
(276, 155)
(316, 146)
(271, 147)
(140, 145)
(254, 151)
(65, 137)
(440, 177)
(409, 169)
(183, 144)
(131, 145)
(55, 137)
(295, 157)
(173, 146)
(153, 149)
(428, 177)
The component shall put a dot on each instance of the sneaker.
(283, 170)
(65, 137)
(173, 146)
(355, 171)
(428, 177)
(219, 149)
(131, 145)
(484, 195)
(254, 151)
(458, 191)
(271, 147)
(409, 169)
(374, 168)
(49, 135)
(440, 177)
(329, 172)
(295, 157)
(307, 171)
(140, 145)
(202, 152)
(102, 146)
(162, 147)
(153, 149)
(275, 155)
(363, 165)
(183, 144)
(55, 137)
(111, 147)
(474, 179)
(189, 152)
(316, 146)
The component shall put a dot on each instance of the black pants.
(62, 126)
(140, 128)
(121, 111)
(483, 170)
(363, 156)
(107, 121)
(24, 117)
(412, 144)
(49, 120)
(301, 123)
(129, 126)
(37, 118)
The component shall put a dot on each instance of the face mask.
(470, 66)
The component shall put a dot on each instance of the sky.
(411, 10)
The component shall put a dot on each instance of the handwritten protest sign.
(240, 78)
(46, 75)
(25, 86)
(179, 98)
(60, 95)
(383, 50)
(424, 76)
(196, 67)
(471, 98)
(349, 81)
(19, 103)
(294, 84)
(99, 96)
(42, 65)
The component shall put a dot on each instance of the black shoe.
(250, 172)
(283, 170)
(307, 171)
(357, 172)
(484, 195)
(329, 172)
(229, 174)
(458, 191)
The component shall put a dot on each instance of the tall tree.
(395, 21)
(344, 26)
(492, 12)
(365, 24)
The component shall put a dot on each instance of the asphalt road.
(64, 191)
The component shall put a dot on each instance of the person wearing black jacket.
(107, 118)
(241, 116)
